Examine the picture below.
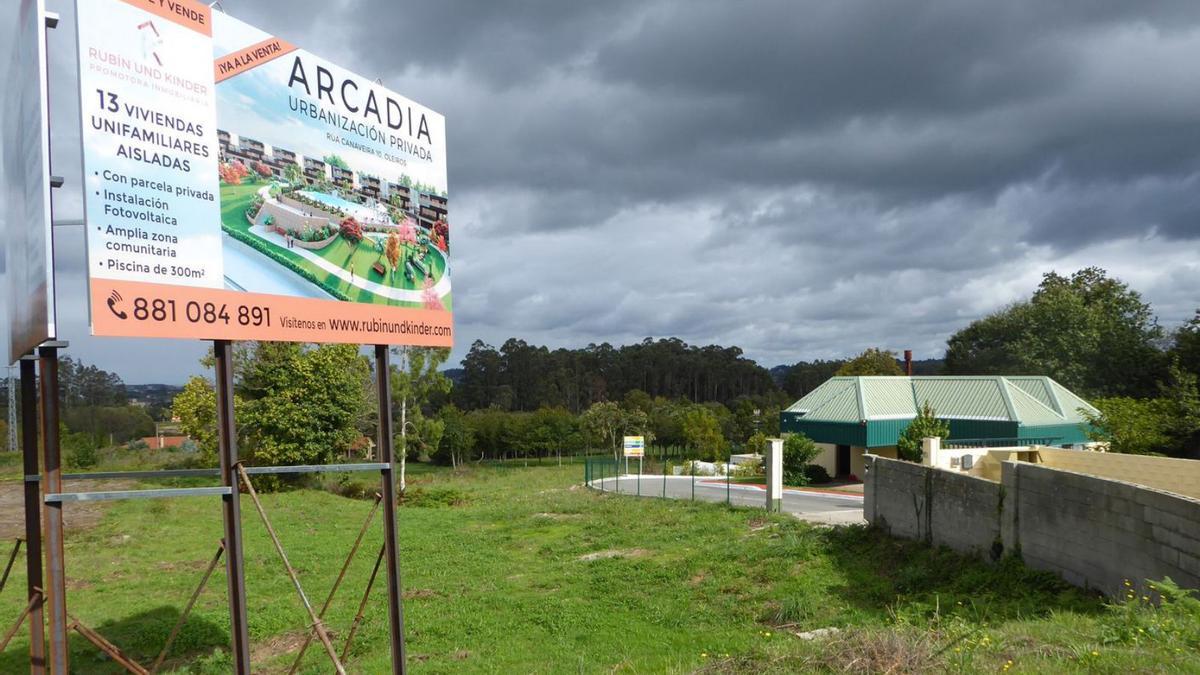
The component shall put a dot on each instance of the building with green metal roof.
(847, 416)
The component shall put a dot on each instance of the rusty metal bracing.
(316, 621)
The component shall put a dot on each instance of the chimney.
(908, 362)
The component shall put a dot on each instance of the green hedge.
(272, 253)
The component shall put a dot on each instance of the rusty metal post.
(33, 515)
(56, 578)
(383, 383)
(231, 508)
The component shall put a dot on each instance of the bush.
(747, 469)
(433, 497)
(80, 451)
(137, 444)
(798, 451)
(816, 474)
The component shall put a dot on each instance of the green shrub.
(816, 474)
(925, 425)
(1164, 614)
(137, 444)
(433, 497)
(798, 451)
(80, 451)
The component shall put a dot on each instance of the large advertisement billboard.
(239, 187)
(28, 252)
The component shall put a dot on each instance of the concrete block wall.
(944, 508)
(1097, 532)
(1181, 476)
(1092, 531)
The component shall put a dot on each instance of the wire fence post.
(639, 478)
(727, 472)
(664, 480)
(693, 480)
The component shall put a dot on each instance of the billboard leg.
(33, 516)
(231, 508)
(383, 385)
(56, 588)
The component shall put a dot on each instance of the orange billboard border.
(150, 310)
(250, 58)
(169, 10)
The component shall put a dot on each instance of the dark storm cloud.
(803, 179)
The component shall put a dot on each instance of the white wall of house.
(827, 457)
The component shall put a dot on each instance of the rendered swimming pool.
(360, 212)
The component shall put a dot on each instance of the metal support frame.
(391, 546)
(231, 509)
(162, 655)
(12, 558)
(56, 580)
(33, 602)
(362, 606)
(33, 516)
(114, 652)
(338, 582)
(317, 625)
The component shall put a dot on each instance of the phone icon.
(112, 305)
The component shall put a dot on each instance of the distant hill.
(455, 375)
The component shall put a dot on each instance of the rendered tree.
(351, 230)
(393, 251)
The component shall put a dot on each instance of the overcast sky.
(801, 179)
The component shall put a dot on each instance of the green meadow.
(513, 569)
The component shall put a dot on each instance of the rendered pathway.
(442, 287)
(813, 506)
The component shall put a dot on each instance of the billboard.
(635, 446)
(239, 187)
(28, 251)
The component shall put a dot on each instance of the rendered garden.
(372, 253)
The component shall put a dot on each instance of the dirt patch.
(614, 553)
(697, 579)
(272, 648)
(462, 655)
(80, 515)
(418, 593)
(558, 516)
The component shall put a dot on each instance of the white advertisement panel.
(28, 255)
(239, 187)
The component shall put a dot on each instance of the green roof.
(1028, 401)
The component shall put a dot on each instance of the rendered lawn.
(235, 199)
(511, 569)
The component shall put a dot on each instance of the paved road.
(813, 506)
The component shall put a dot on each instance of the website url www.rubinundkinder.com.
(391, 327)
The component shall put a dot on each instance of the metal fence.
(679, 479)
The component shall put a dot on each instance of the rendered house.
(850, 416)
(314, 170)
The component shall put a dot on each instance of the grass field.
(235, 199)
(512, 569)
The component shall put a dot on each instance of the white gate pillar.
(774, 474)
